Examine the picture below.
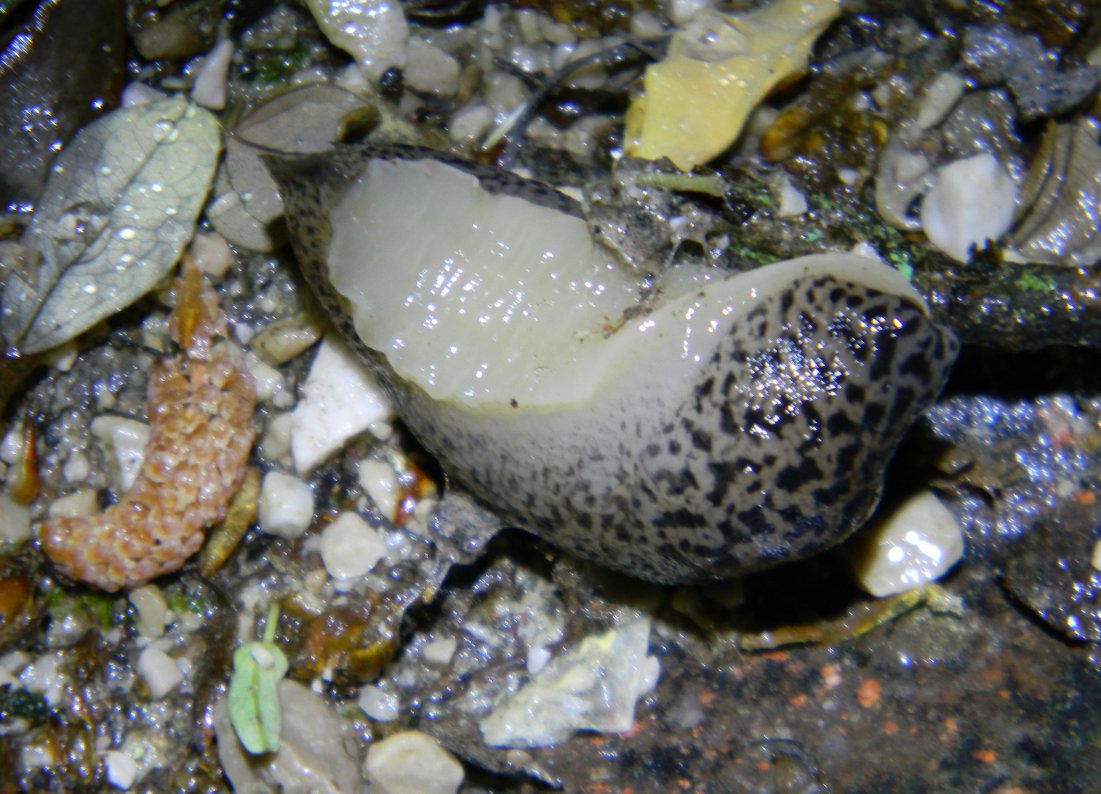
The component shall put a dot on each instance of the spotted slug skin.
(200, 416)
(743, 421)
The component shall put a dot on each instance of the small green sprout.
(258, 667)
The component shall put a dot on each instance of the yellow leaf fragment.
(225, 537)
(718, 68)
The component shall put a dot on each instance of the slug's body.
(690, 429)
(200, 416)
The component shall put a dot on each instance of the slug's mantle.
(685, 427)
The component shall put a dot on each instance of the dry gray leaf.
(248, 210)
(116, 213)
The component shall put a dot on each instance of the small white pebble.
(243, 333)
(412, 762)
(504, 93)
(276, 443)
(76, 468)
(971, 201)
(314, 582)
(537, 659)
(135, 94)
(152, 610)
(940, 97)
(683, 11)
(267, 381)
(867, 251)
(211, 254)
(379, 705)
(430, 69)
(210, 85)
(79, 503)
(792, 200)
(286, 505)
(46, 677)
(10, 664)
(126, 440)
(374, 32)
(15, 520)
(63, 357)
(284, 339)
(342, 399)
(646, 25)
(912, 545)
(159, 671)
(380, 481)
(350, 547)
(11, 447)
(351, 78)
(439, 651)
(850, 176)
(122, 770)
(470, 124)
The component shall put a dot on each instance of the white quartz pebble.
(152, 610)
(15, 520)
(971, 201)
(378, 704)
(374, 32)
(350, 547)
(430, 69)
(122, 770)
(912, 545)
(267, 381)
(940, 97)
(210, 86)
(286, 505)
(211, 254)
(126, 439)
(412, 762)
(792, 200)
(78, 503)
(439, 651)
(342, 399)
(380, 481)
(159, 671)
(470, 123)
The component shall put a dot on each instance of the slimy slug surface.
(685, 428)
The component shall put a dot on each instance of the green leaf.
(118, 209)
(253, 697)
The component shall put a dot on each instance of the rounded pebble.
(127, 440)
(350, 547)
(908, 547)
(152, 610)
(78, 503)
(412, 762)
(341, 399)
(972, 201)
(15, 520)
(286, 505)
(122, 771)
(159, 671)
(378, 704)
